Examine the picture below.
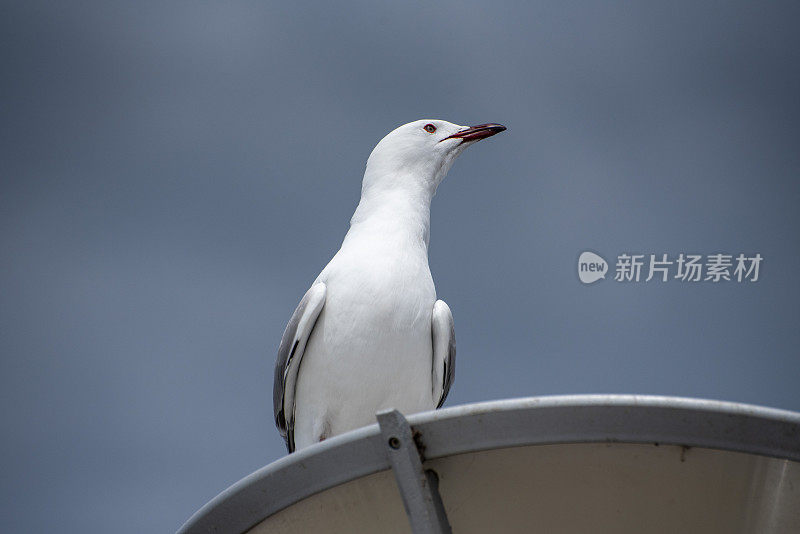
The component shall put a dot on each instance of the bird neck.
(393, 216)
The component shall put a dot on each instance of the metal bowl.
(568, 464)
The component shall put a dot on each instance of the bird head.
(421, 152)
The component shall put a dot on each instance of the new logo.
(591, 267)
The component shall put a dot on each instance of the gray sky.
(175, 175)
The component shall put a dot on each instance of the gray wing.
(290, 352)
(443, 333)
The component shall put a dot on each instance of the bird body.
(370, 334)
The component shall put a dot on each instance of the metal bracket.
(419, 488)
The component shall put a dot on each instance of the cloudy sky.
(174, 176)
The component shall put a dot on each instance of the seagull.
(370, 334)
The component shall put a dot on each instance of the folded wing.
(444, 351)
(290, 353)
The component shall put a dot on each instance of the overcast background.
(175, 175)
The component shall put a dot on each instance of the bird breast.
(387, 290)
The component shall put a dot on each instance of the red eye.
(430, 128)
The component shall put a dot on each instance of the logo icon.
(591, 267)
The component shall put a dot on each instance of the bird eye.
(430, 128)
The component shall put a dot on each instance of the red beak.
(474, 133)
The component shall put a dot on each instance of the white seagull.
(369, 334)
